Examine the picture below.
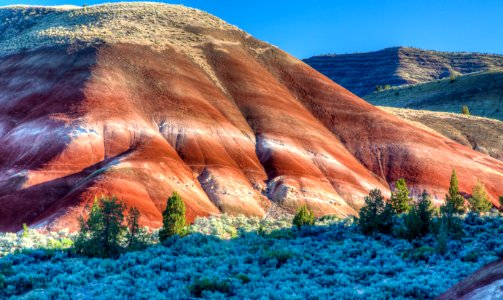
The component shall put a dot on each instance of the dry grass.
(482, 134)
(144, 23)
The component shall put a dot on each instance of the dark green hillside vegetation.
(481, 93)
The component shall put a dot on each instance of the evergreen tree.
(101, 233)
(400, 197)
(449, 219)
(303, 217)
(479, 199)
(173, 218)
(376, 215)
(465, 110)
(135, 235)
(26, 231)
(454, 198)
(417, 221)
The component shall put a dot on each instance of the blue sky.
(306, 28)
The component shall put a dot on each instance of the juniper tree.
(135, 235)
(173, 218)
(479, 199)
(465, 110)
(376, 215)
(400, 197)
(454, 198)
(101, 233)
(303, 217)
(417, 222)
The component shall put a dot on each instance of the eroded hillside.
(141, 99)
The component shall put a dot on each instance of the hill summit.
(140, 99)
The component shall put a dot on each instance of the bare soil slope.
(481, 134)
(142, 99)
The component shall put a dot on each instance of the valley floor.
(241, 259)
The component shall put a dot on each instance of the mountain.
(362, 72)
(483, 284)
(141, 99)
(482, 134)
(481, 92)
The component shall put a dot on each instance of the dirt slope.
(481, 134)
(139, 100)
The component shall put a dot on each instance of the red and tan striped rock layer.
(91, 103)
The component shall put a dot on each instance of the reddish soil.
(138, 123)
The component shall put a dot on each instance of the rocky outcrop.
(481, 134)
(362, 72)
(140, 100)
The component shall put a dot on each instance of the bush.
(303, 217)
(281, 256)
(479, 199)
(173, 218)
(471, 256)
(100, 235)
(376, 215)
(212, 285)
(422, 253)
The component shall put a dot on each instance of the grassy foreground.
(245, 258)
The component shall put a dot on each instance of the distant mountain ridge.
(362, 72)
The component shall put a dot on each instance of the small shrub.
(471, 256)
(422, 253)
(212, 285)
(303, 217)
(244, 278)
(281, 256)
(173, 218)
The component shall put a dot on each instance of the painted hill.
(481, 134)
(481, 92)
(142, 99)
(486, 283)
(362, 72)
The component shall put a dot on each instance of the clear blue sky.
(306, 28)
